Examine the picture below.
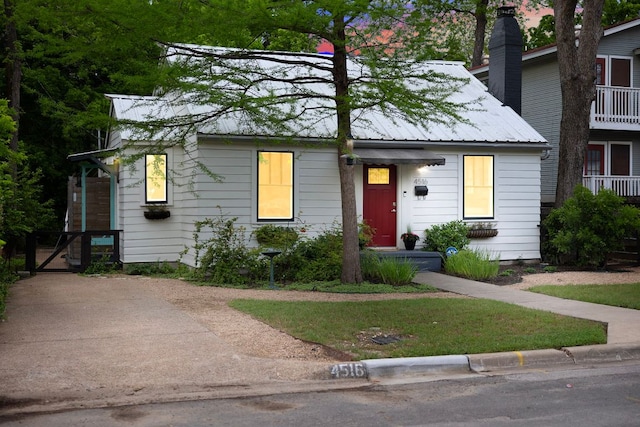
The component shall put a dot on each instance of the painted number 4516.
(348, 370)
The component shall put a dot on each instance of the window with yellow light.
(478, 187)
(275, 185)
(156, 178)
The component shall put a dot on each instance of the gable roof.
(488, 120)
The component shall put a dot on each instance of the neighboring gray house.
(613, 157)
(406, 175)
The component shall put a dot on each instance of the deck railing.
(616, 108)
(625, 186)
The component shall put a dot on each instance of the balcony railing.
(616, 108)
(625, 186)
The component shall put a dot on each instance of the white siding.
(517, 202)
(198, 196)
(317, 199)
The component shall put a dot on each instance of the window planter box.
(157, 214)
(482, 233)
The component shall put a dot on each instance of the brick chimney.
(505, 55)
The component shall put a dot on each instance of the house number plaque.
(420, 181)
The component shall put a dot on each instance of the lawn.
(625, 295)
(423, 327)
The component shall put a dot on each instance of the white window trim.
(254, 185)
(141, 165)
(461, 188)
(607, 67)
(607, 153)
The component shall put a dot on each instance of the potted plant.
(409, 238)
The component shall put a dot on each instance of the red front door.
(379, 200)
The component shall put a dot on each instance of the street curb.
(415, 366)
(487, 362)
(604, 353)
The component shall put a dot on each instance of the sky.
(532, 19)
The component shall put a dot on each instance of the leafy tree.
(381, 34)
(616, 11)
(576, 62)
(455, 19)
(542, 35)
(61, 57)
(20, 208)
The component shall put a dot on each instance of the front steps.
(424, 260)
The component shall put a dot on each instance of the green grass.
(625, 295)
(473, 264)
(360, 288)
(428, 326)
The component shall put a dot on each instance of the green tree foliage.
(20, 208)
(542, 35)
(587, 228)
(614, 12)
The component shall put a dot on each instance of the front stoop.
(424, 260)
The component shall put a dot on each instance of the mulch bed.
(512, 274)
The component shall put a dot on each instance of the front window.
(156, 178)
(478, 187)
(275, 185)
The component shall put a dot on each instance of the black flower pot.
(409, 244)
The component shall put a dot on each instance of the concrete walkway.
(623, 323)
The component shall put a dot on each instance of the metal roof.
(489, 121)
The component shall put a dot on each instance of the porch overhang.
(397, 156)
(94, 157)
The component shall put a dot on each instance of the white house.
(406, 175)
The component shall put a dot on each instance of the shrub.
(275, 236)
(223, 257)
(102, 265)
(7, 277)
(365, 234)
(587, 228)
(473, 264)
(440, 237)
(316, 259)
(390, 271)
(150, 269)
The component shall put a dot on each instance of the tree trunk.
(480, 32)
(576, 62)
(351, 272)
